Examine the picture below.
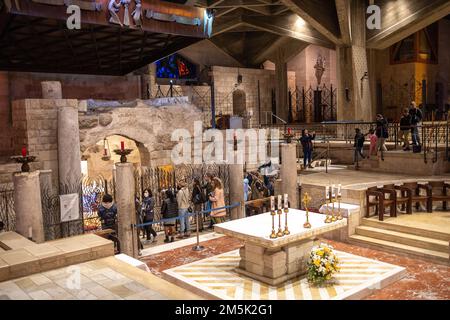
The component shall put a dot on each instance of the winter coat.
(147, 208)
(107, 213)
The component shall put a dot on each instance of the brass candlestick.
(333, 216)
(286, 230)
(339, 198)
(328, 217)
(24, 160)
(123, 154)
(280, 230)
(273, 235)
(306, 200)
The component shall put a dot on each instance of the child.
(373, 142)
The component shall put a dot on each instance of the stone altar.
(274, 261)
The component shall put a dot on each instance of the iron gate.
(313, 104)
(7, 213)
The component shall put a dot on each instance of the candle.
(289, 130)
(30, 233)
(280, 198)
(327, 192)
(333, 189)
(122, 145)
(104, 152)
(272, 203)
(24, 151)
(285, 200)
(339, 190)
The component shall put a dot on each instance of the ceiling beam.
(285, 26)
(402, 18)
(222, 27)
(317, 16)
(343, 13)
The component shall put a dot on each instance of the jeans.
(307, 154)
(358, 150)
(415, 136)
(184, 222)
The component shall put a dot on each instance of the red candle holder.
(123, 154)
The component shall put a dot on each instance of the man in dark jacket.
(107, 212)
(306, 141)
(358, 144)
(405, 129)
(381, 132)
(416, 119)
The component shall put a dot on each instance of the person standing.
(358, 145)
(209, 188)
(218, 201)
(416, 119)
(183, 206)
(198, 198)
(107, 212)
(373, 143)
(382, 133)
(306, 141)
(246, 189)
(148, 213)
(405, 129)
(169, 210)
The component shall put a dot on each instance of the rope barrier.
(186, 215)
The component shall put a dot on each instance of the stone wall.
(36, 125)
(225, 80)
(27, 85)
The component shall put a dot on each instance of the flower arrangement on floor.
(322, 264)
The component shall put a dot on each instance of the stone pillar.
(51, 90)
(289, 173)
(27, 205)
(126, 209)
(236, 172)
(69, 157)
(281, 83)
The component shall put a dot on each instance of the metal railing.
(434, 136)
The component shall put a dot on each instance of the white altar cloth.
(346, 209)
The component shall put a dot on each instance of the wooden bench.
(375, 197)
(443, 195)
(417, 197)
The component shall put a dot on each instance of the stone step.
(390, 246)
(404, 238)
(406, 229)
(11, 240)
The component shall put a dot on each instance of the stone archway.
(239, 103)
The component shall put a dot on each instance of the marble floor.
(423, 279)
(349, 178)
(216, 277)
(102, 279)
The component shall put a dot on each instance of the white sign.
(70, 207)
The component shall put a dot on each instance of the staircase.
(420, 243)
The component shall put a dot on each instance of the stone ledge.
(52, 255)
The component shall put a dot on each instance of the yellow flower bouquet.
(322, 264)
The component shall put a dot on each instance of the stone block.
(254, 268)
(275, 260)
(254, 249)
(254, 258)
(275, 272)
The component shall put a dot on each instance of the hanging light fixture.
(106, 156)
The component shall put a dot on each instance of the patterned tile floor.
(216, 277)
(424, 280)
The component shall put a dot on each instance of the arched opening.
(239, 103)
(100, 159)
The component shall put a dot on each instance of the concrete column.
(289, 173)
(51, 90)
(27, 205)
(126, 209)
(69, 157)
(281, 87)
(236, 172)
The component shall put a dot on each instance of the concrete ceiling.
(250, 30)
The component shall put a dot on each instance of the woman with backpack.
(169, 210)
(198, 198)
(148, 213)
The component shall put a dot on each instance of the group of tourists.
(177, 204)
(409, 124)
